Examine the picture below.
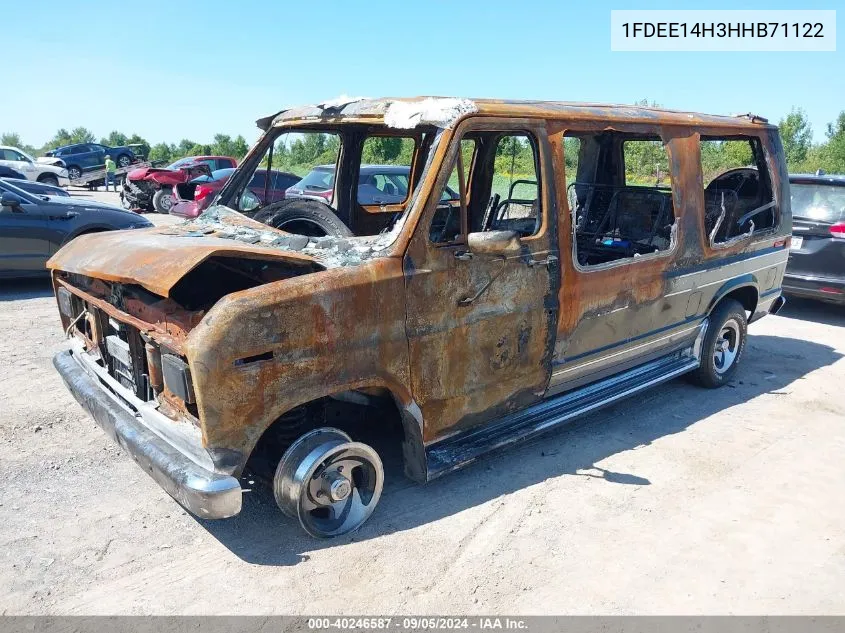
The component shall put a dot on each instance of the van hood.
(159, 257)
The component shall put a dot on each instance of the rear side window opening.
(619, 190)
(738, 197)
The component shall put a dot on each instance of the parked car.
(21, 162)
(377, 184)
(8, 172)
(33, 227)
(192, 197)
(471, 323)
(81, 157)
(816, 268)
(151, 188)
(35, 188)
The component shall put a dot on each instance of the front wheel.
(123, 161)
(74, 172)
(163, 200)
(723, 345)
(49, 179)
(328, 482)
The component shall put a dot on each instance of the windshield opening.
(823, 203)
(350, 180)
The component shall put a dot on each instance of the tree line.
(222, 144)
(302, 151)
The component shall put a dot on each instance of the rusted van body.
(565, 275)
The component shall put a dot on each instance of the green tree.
(11, 138)
(381, 150)
(239, 147)
(832, 153)
(82, 135)
(162, 151)
(77, 135)
(796, 135)
(60, 138)
(184, 147)
(222, 145)
(199, 150)
(114, 139)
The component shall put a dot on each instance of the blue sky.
(172, 70)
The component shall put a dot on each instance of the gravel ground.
(679, 501)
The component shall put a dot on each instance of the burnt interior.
(739, 200)
(615, 218)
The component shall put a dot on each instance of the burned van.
(529, 263)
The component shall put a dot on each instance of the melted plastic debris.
(332, 252)
(439, 111)
(339, 102)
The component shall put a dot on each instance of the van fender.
(744, 288)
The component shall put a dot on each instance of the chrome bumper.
(205, 493)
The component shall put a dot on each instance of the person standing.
(110, 169)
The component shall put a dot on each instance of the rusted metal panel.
(330, 332)
(374, 110)
(480, 332)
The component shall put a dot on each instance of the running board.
(461, 449)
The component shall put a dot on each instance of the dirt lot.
(680, 501)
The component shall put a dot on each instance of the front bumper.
(136, 196)
(203, 492)
(822, 288)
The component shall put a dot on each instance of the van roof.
(447, 111)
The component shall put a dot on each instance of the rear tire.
(49, 179)
(723, 345)
(303, 217)
(163, 200)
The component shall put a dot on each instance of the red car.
(151, 188)
(191, 198)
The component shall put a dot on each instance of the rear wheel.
(303, 217)
(328, 482)
(163, 200)
(49, 179)
(723, 345)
